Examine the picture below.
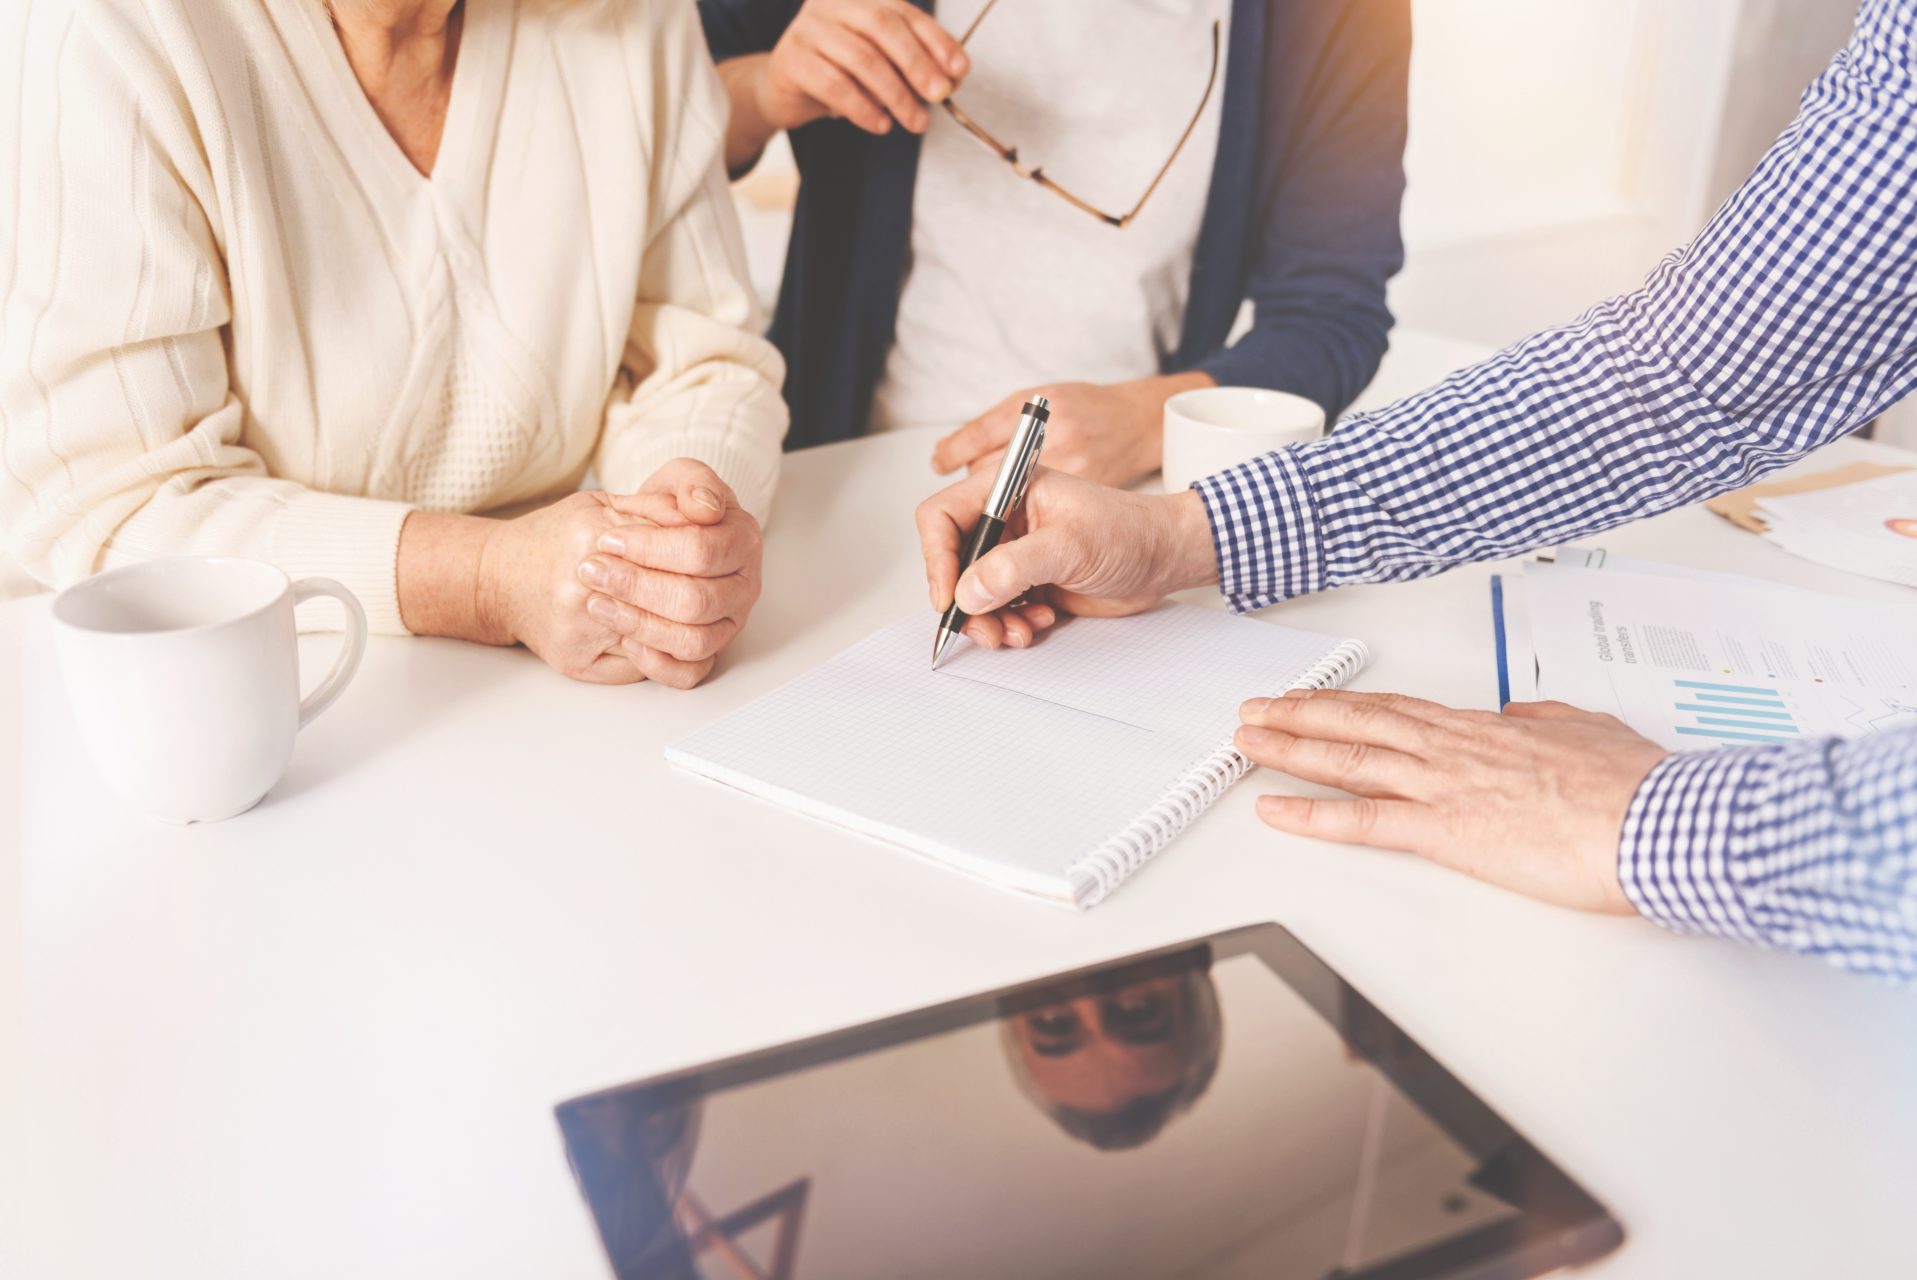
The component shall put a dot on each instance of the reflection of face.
(1099, 1053)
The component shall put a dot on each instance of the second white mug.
(1212, 428)
(184, 678)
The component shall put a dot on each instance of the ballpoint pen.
(1008, 490)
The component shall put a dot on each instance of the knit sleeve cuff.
(1674, 856)
(355, 542)
(1264, 528)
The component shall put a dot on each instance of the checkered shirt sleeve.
(1788, 322)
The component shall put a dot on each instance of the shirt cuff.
(1675, 853)
(1264, 530)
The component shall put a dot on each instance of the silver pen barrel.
(1021, 456)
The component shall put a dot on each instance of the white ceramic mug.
(1212, 428)
(185, 679)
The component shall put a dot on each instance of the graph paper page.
(1012, 764)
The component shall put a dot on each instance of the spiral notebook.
(1056, 770)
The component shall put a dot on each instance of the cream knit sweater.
(236, 320)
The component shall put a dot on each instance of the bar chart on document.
(1698, 664)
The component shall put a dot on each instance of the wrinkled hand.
(1082, 547)
(867, 61)
(677, 588)
(612, 589)
(1532, 800)
(1111, 433)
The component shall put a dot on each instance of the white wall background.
(1559, 150)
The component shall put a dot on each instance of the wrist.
(749, 126)
(775, 109)
(1186, 548)
(445, 588)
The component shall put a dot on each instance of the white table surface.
(324, 1039)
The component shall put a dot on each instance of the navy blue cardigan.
(1302, 217)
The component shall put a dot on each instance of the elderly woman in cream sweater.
(315, 282)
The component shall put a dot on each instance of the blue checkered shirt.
(1790, 321)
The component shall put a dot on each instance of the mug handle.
(350, 653)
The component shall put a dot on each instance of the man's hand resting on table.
(1074, 546)
(613, 589)
(1532, 800)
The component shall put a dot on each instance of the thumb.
(702, 496)
(1009, 570)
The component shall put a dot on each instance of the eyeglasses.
(1010, 154)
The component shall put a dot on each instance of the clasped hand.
(613, 589)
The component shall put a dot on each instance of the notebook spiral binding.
(1108, 866)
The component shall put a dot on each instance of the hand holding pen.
(1074, 547)
(1001, 505)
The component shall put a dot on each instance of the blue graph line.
(1722, 688)
(1725, 733)
(1747, 724)
(1772, 701)
(1752, 712)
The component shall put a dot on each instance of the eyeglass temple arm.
(1183, 138)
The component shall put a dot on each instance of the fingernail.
(593, 573)
(972, 596)
(940, 87)
(612, 543)
(1014, 639)
(603, 610)
(1252, 735)
(958, 62)
(1252, 708)
(708, 499)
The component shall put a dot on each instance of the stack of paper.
(1868, 528)
(1694, 659)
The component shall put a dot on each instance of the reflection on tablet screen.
(1202, 1120)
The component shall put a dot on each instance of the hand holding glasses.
(876, 62)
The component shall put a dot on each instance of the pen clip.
(1021, 457)
(1027, 465)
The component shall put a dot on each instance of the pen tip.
(939, 644)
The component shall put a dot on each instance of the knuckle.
(681, 598)
(688, 642)
(682, 675)
(709, 601)
(1364, 816)
(619, 578)
(1350, 757)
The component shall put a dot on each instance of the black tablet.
(1226, 1108)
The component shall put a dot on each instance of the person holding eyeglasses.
(1074, 197)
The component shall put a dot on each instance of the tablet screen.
(1192, 1115)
